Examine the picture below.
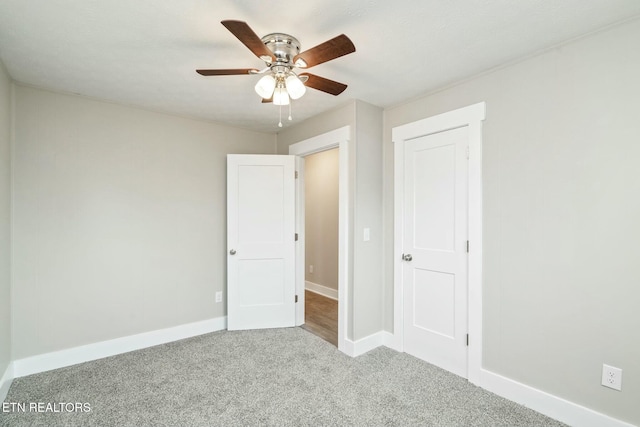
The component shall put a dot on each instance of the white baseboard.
(321, 290)
(545, 403)
(99, 350)
(363, 345)
(389, 340)
(5, 382)
(538, 400)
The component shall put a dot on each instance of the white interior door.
(435, 249)
(260, 241)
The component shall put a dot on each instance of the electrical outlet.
(612, 377)
(311, 269)
(219, 296)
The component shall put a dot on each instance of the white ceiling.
(144, 52)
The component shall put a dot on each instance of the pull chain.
(290, 110)
(280, 122)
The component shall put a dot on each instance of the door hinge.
(296, 237)
(296, 298)
(467, 246)
(296, 175)
(467, 340)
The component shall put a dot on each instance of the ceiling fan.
(281, 54)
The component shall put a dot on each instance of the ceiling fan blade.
(267, 100)
(227, 72)
(331, 49)
(325, 85)
(245, 34)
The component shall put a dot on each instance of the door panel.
(434, 302)
(435, 234)
(269, 273)
(260, 241)
(434, 205)
(260, 199)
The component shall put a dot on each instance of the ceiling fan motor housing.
(284, 48)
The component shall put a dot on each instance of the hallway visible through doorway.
(321, 212)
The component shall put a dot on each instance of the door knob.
(407, 257)
(232, 251)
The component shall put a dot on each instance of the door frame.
(472, 117)
(338, 138)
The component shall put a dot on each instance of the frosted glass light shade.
(295, 87)
(280, 96)
(265, 86)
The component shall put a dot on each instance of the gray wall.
(5, 220)
(367, 265)
(120, 219)
(321, 218)
(561, 216)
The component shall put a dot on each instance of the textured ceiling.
(144, 52)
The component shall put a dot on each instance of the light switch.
(367, 234)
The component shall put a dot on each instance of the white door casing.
(435, 257)
(260, 241)
(336, 138)
(300, 261)
(470, 120)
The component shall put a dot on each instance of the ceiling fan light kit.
(265, 86)
(281, 54)
(295, 87)
(280, 96)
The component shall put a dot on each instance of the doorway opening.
(338, 139)
(321, 173)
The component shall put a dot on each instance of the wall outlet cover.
(612, 377)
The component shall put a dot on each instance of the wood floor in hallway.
(321, 316)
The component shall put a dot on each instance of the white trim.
(545, 403)
(300, 261)
(474, 259)
(5, 382)
(319, 143)
(321, 290)
(99, 350)
(390, 340)
(398, 212)
(472, 117)
(337, 138)
(439, 123)
(364, 345)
